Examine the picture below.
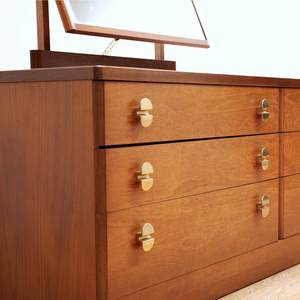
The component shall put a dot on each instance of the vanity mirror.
(156, 21)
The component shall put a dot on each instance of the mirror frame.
(73, 27)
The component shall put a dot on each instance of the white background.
(247, 37)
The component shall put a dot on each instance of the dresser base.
(227, 276)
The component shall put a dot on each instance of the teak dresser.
(123, 183)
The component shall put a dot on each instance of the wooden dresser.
(82, 179)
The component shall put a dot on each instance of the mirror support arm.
(159, 51)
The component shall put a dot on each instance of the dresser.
(123, 183)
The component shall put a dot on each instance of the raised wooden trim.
(100, 180)
(99, 113)
(281, 110)
(54, 59)
(281, 208)
(227, 276)
(281, 154)
(142, 75)
(43, 31)
(101, 259)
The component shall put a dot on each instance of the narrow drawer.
(189, 234)
(291, 109)
(291, 154)
(181, 169)
(290, 206)
(182, 112)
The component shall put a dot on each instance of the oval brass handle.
(262, 206)
(142, 112)
(144, 238)
(262, 111)
(143, 176)
(262, 159)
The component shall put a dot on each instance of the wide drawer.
(290, 164)
(181, 169)
(291, 109)
(290, 206)
(182, 112)
(189, 233)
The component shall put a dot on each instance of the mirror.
(158, 21)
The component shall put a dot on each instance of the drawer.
(182, 112)
(290, 206)
(291, 109)
(181, 169)
(290, 164)
(189, 234)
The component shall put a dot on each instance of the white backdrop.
(247, 37)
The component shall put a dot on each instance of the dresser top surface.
(141, 75)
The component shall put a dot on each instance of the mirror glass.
(164, 21)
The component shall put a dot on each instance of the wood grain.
(142, 75)
(225, 277)
(43, 31)
(281, 208)
(291, 204)
(291, 110)
(53, 59)
(184, 169)
(281, 286)
(47, 201)
(291, 153)
(182, 112)
(189, 233)
(101, 249)
(281, 109)
(136, 36)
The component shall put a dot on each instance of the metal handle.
(144, 238)
(143, 176)
(262, 206)
(262, 159)
(142, 112)
(262, 111)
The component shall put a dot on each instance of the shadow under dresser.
(123, 183)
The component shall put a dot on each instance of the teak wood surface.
(225, 277)
(291, 153)
(142, 75)
(54, 59)
(182, 112)
(291, 110)
(189, 233)
(184, 169)
(47, 206)
(291, 206)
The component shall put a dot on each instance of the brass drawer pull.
(262, 111)
(142, 112)
(143, 176)
(262, 159)
(262, 206)
(144, 238)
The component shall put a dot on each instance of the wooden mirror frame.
(72, 27)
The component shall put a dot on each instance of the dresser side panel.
(47, 200)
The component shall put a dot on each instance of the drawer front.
(189, 233)
(182, 112)
(290, 206)
(291, 153)
(184, 169)
(291, 109)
